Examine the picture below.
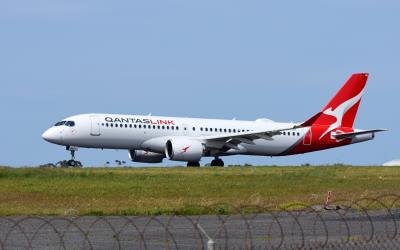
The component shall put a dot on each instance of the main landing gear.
(217, 162)
(70, 163)
(193, 164)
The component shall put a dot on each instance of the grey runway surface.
(338, 229)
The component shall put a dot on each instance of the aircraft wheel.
(193, 164)
(217, 163)
(72, 163)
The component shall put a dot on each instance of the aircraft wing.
(353, 134)
(232, 140)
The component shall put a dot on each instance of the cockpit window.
(70, 123)
(66, 123)
(60, 123)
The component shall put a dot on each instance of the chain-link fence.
(367, 223)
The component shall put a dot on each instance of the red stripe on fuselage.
(317, 143)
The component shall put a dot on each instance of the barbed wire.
(363, 223)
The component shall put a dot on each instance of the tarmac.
(313, 229)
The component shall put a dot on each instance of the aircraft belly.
(269, 148)
(107, 141)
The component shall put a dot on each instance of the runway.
(339, 229)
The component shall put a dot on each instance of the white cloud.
(392, 163)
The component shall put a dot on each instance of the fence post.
(211, 242)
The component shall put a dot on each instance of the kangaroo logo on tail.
(341, 111)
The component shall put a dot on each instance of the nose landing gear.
(70, 163)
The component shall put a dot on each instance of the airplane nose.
(50, 135)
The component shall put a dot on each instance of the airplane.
(151, 139)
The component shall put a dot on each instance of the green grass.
(154, 191)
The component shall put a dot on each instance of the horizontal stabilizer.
(353, 134)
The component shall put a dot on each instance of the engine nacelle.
(145, 156)
(184, 149)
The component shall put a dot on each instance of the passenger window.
(206, 129)
(211, 129)
(201, 129)
(194, 129)
(140, 126)
(106, 124)
(158, 127)
(284, 133)
(172, 127)
(163, 127)
(112, 125)
(298, 134)
(177, 128)
(229, 130)
(130, 125)
(167, 127)
(225, 130)
(126, 125)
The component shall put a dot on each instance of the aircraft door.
(94, 126)
(308, 138)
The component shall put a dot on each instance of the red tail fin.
(341, 111)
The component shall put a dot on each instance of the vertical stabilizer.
(341, 111)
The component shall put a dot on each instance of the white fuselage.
(134, 132)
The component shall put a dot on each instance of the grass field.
(134, 191)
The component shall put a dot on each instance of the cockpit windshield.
(60, 123)
(70, 123)
(66, 123)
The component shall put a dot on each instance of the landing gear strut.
(193, 164)
(217, 162)
(70, 163)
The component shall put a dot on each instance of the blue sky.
(281, 60)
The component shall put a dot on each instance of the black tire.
(217, 163)
(193, 164)
(72, 163)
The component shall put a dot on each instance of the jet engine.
(145, 156)
(184, 149)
